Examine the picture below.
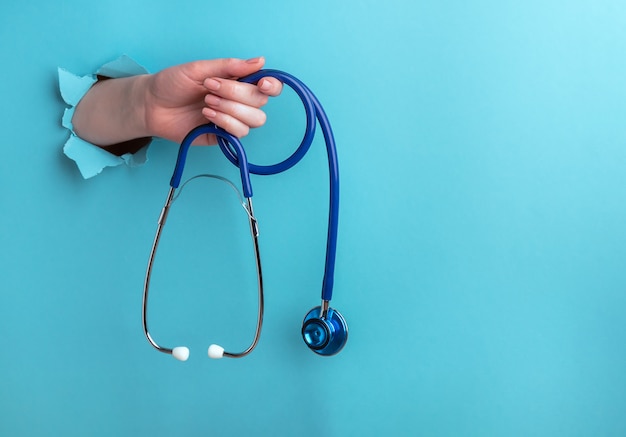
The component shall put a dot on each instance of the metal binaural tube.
(254, 232)
(146, 284)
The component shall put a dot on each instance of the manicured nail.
(212, 84)
(212, 100)
(254, 60)
(209, 113)
(266, 85)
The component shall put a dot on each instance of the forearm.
(113, 111)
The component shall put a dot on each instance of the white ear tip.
(216, 352)
(181, 353)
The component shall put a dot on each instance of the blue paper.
(123, 66)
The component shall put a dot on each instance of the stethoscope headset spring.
(324, 330)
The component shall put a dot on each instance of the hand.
(170, 103)
(182, 97)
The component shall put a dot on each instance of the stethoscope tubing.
(233, 150)
(205, 129)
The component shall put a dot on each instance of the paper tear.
(89, 158)
(124, 66)
(73, 87)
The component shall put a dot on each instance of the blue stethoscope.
(324, 329)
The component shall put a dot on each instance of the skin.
(170, 103)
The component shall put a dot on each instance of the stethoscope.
(324, 330)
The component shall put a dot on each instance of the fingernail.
(212, 100)
(209, 113)
(212, 84)
(254, 60)
(266, 85)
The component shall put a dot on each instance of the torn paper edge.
(89, 158)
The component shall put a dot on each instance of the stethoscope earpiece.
(325, 332)
(181, 353)
(216, 351)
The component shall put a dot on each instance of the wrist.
(113, 111)
(138, 105)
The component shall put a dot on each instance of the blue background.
(481, 247)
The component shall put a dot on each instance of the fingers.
(234, 106)
(230, 104)
(232, 68)
(250, 94)
(239, 92)
(234, 117)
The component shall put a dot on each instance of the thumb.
(227, 68)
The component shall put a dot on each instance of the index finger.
(236, 91)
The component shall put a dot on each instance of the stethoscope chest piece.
(325, 334)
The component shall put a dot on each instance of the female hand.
(182, 97)
(170, 103)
